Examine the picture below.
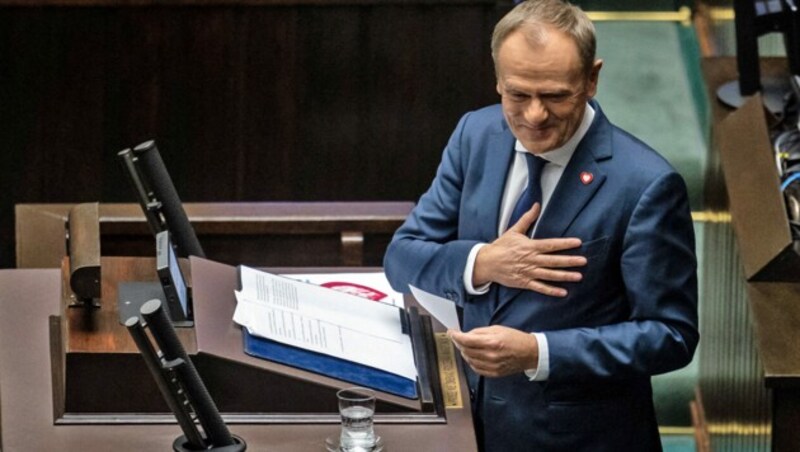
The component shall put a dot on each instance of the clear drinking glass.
(357, 406)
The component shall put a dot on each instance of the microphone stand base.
(181, 445)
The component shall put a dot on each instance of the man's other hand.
(497, 351)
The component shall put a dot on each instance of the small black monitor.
(170, 289)
(172, 281)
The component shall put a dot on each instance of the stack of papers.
(331, 322)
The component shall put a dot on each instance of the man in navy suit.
(568, 310)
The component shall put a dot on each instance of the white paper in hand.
(442, 309)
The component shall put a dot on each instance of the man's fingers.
(454, 336)
(559, 244)
(560, 261)
(478, 366)
(546, 289)
(546, 274)
(481, 357)
(485, 369)
(463, 340)
(475, 339)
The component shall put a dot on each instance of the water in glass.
(357, 431)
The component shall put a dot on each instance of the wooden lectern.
(93, 356)
(26, 385)
(100, 387)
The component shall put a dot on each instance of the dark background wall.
(246, 102)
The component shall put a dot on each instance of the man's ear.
(594, 76)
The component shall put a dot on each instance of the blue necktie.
(533, 192)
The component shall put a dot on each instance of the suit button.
(472, 394)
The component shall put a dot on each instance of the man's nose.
(536, 113)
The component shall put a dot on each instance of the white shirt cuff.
(473, 254)
(542, 370)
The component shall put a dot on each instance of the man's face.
(544, 88)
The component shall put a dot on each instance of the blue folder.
(340, 369)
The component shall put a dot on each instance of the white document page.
(325, 321)
(442, 309)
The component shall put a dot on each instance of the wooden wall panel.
(247, 102)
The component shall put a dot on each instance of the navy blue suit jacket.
(633, 315)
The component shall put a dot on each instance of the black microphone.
(180, 384)
(159, 181)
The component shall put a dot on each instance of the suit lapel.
(573, 191)
(571, 194)
(497, 166)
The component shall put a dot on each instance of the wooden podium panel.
(96, 351)
(294, 234)
(29, 297)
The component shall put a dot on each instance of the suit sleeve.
(426, 251)
(659, 271)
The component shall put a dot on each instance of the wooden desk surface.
(28, 297)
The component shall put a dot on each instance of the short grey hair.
(532, 14)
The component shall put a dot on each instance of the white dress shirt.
(516, 182)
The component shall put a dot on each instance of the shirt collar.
(560, 156)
